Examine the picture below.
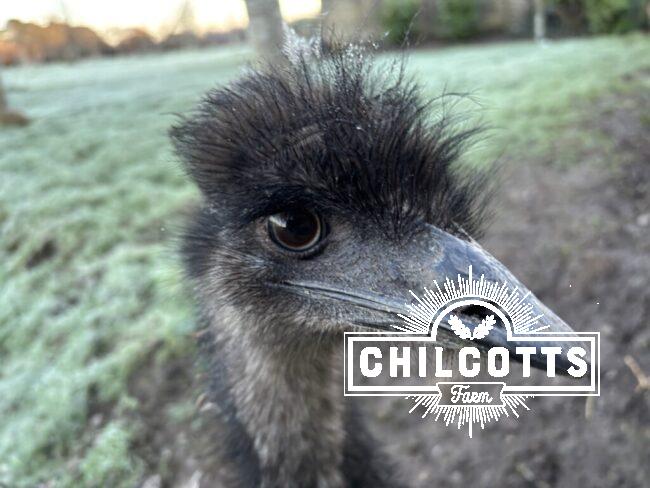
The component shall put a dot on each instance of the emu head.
(330, 190)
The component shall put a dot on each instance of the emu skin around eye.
(296, 230)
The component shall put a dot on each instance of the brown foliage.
(58, 41)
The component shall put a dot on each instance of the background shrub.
(601, 16)
(613, 16)
(459, 19)
(398, 19)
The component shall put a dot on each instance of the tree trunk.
(265, 27)
(3, 98)
(539, 21)
(9, 117)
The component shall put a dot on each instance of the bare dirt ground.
(580, 238)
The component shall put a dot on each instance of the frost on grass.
(89, 286)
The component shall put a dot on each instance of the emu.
(328, 191)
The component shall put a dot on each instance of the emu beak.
(435, 256)
(454, 256)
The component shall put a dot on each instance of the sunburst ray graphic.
(513, 303)
(421, 316)
(467, 415)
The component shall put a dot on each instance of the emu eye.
(295, 230)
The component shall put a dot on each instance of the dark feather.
(339, 131)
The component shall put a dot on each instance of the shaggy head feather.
(335, 130)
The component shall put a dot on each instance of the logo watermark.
(445, 379)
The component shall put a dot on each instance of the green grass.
(90, 196)
(534, 99)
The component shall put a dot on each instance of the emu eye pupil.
(296, 230)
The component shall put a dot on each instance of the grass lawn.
(91, 197)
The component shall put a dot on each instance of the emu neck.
(288, 399)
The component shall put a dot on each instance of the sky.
(154, 15)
